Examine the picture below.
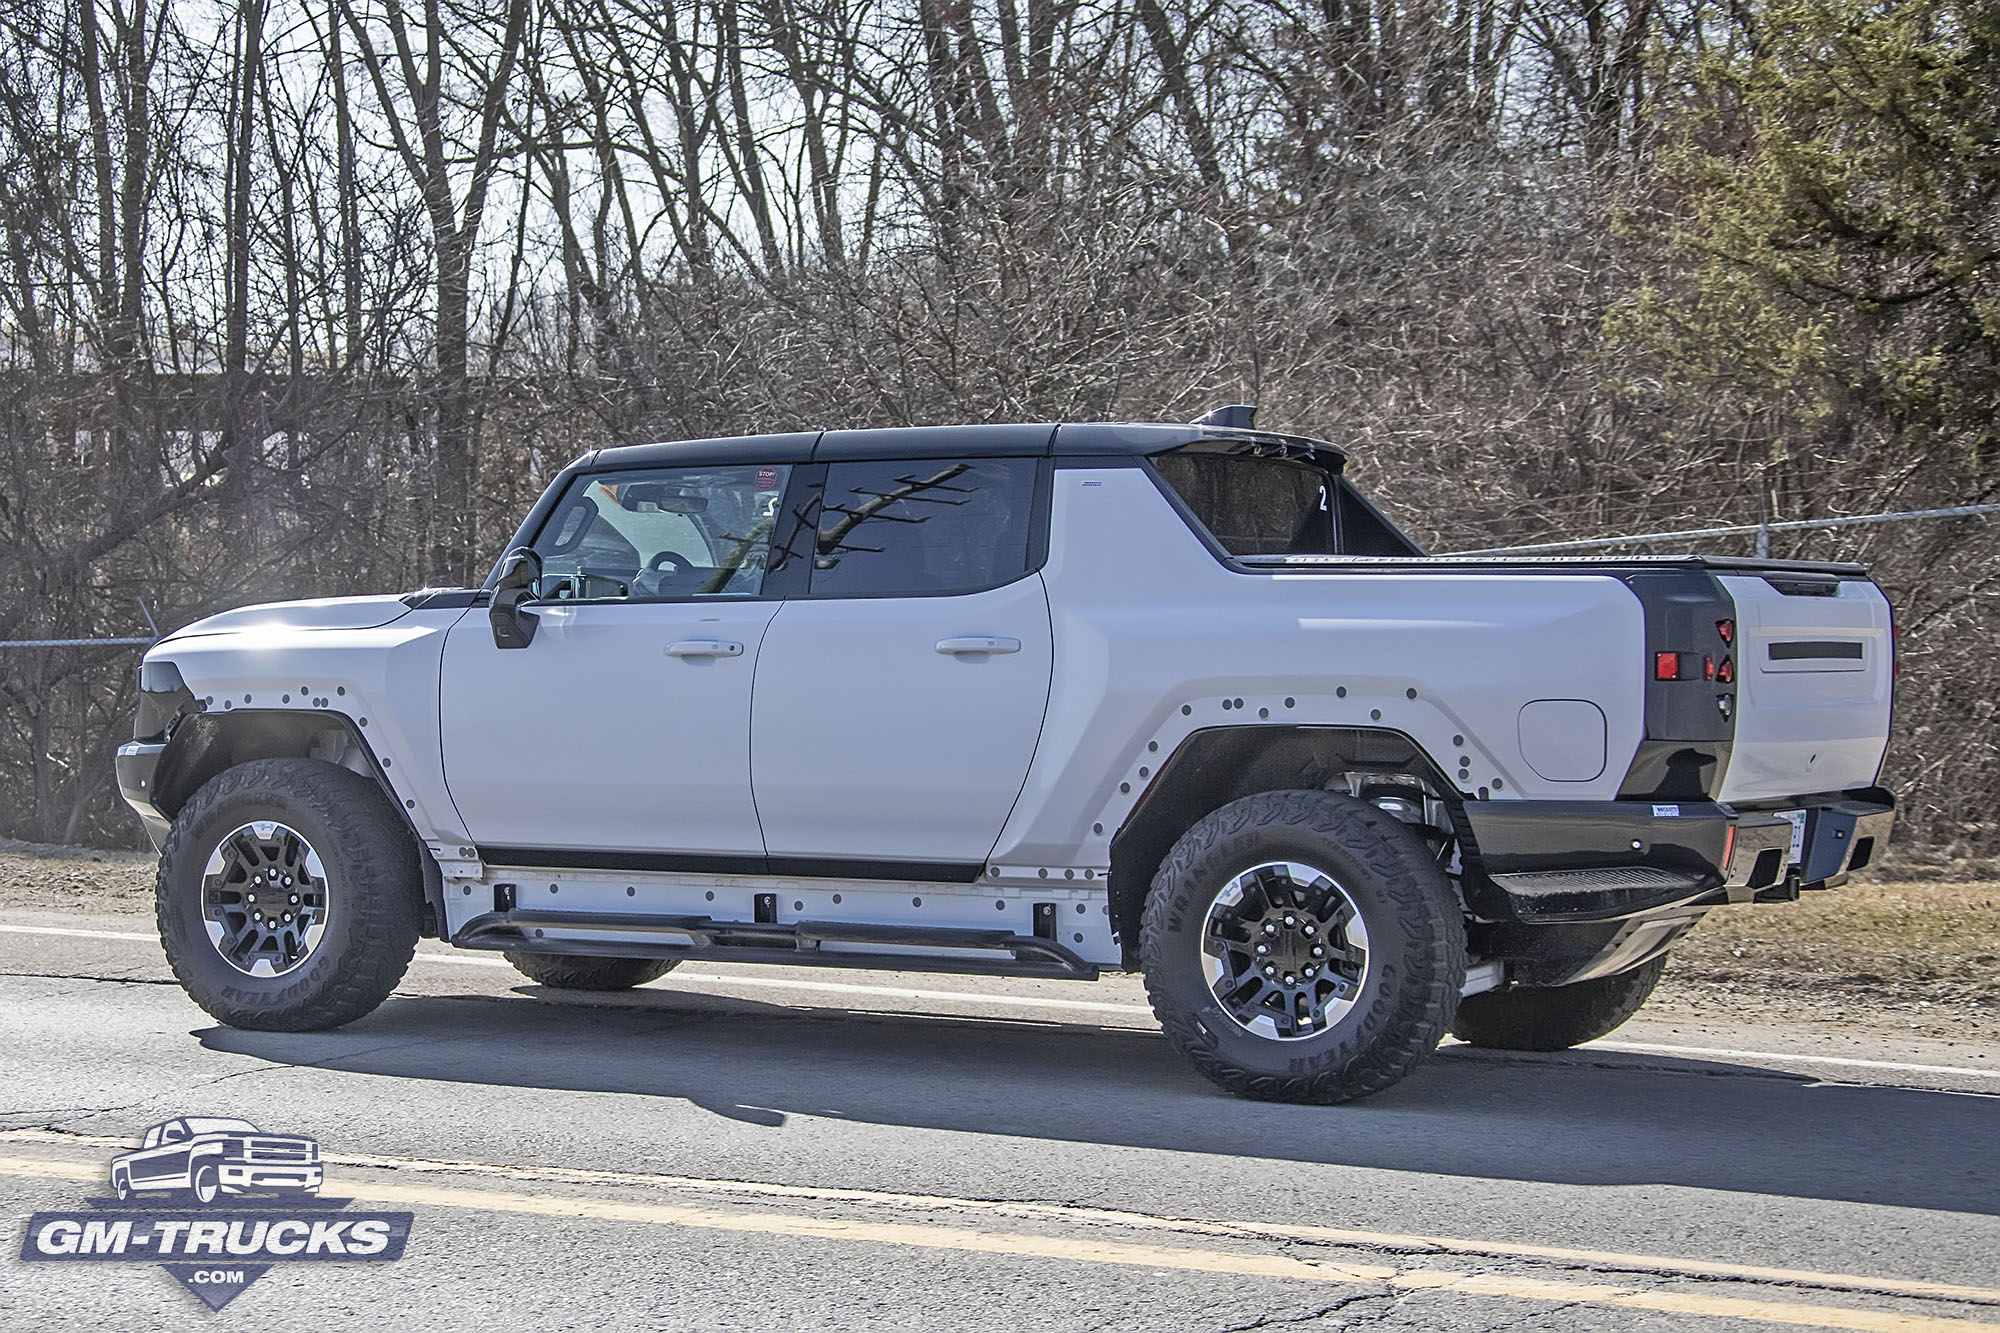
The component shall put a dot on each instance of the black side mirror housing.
(513, 626)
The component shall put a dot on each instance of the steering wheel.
(664, 567)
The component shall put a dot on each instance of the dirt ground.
(1918, 957)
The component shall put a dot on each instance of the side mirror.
(513, 627)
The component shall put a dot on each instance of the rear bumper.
(1569, 861)
(137, 763)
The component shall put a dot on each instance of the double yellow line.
(1074, 1249)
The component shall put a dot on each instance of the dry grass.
(1907, 931)
(1910, 956)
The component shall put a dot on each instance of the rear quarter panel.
(1155, 638)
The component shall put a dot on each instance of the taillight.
(1683, 666)
(1727, 629)
(1726, 673)
(1728, 847)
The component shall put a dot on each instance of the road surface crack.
(1282, 1321)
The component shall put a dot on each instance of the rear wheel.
(1302, 946)
(1554, 1018)
(289, 896)
(567, 972)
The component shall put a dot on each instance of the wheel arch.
(1217, 765)
(204, 745)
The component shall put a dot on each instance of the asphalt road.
(735, 1148)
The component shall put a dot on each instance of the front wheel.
(1554, 1018)
(290, 896)
(567, 972)
(1301, 946)
(207, 1184)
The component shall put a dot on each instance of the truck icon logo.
(206, 1158)
(216, 1201)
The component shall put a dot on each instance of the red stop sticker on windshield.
(767, 478)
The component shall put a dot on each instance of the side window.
(662, 533)
(899, 529)
(1255, 506)
(173, 1133)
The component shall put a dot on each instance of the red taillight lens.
(1726, 673)
(1708, 668)
(1666, 666)
(1728, 848)
(1727, 629)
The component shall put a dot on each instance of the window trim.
(1037, 555)
(763, 593)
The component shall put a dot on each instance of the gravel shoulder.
(1889, 957)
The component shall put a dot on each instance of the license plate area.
(1797, 819)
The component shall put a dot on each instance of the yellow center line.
(1072, 1249)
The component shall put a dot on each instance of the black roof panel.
(793, 447)
(993, 441)
(997, 440)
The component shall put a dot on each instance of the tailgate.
(1815, 669)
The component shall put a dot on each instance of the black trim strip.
(1803, 650)
(686, 863)
(793, 944)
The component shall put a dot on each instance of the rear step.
(1598, 894)
(797, 944)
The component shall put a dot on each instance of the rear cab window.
(1250, 502)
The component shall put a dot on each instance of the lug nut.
(1311, 929)
(1319, 951)
(1270, 927)
(288, 916)
(288, 881)
(1270, 969)
(1263, 948)
(295, 897)
(1290, 921)
(1291, 980)
(1310, 970)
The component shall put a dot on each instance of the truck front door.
(623, 726)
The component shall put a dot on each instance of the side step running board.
(797, 944)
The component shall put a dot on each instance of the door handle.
(704, 648)
(978, 643)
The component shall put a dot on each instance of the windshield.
(209, 1124)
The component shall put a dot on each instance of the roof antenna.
(1236, 416)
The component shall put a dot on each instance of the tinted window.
(667, 532)
(1255, 506)
(944, 526)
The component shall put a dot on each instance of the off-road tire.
(1416, 947)
(1554, 1018)
(568, 972)
(374, 888)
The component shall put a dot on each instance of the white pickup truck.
(1020, 699)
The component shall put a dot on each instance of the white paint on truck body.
(1148, 622)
